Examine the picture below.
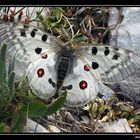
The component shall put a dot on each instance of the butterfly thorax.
(64, 66)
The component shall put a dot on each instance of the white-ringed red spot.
(44, 56)
(86, 68)
(40, 72)
(83, 85)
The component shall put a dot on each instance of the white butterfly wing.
(27, 43)
(83, 86)
(111, 64)
(39, 74)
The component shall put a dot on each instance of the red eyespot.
(83, 85)
(44, 56)
(86, 68)
(40, 72)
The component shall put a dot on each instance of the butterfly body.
(64, 66)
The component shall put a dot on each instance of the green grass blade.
(39, 109)
(11, 84)
(3, 63)
(18, 121)
(56, 105)
(11, 65)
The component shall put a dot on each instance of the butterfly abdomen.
(62, 71)
(64, 67)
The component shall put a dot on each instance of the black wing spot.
(33, 33)
(44, 37)
(95, 65)
(38, 50)
(106, 52)
(94, 50)
(99, 95)
(116, 49)
(51, 82)
(69, 87)
(115, 57)
(22, 33)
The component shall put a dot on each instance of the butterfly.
(53, 66)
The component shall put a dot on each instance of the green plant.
(18, 104)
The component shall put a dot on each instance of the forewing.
(28, 43)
